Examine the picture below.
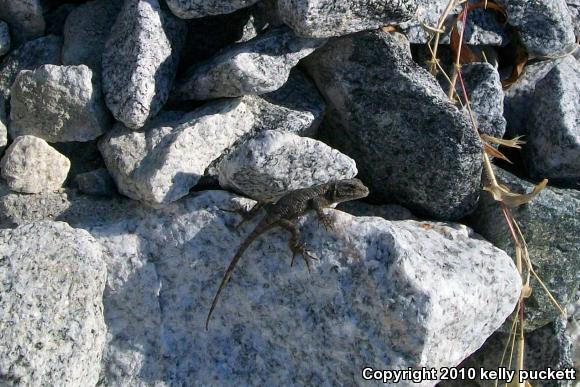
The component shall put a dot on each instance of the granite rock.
(97, 182)
(376, 292)
(45, 50)
(140, 61)
(485, 93)
(30, 165)
(4, 38)
(545, 27)
(411, 144)
(327, 18)
(483, 27)
(58, 104)
(258, 66)
(551, 226)
(52, 327)
(552, 146)
(3, 137)
(25, 18)
(190, 9)
(86, 31)
(273, 163)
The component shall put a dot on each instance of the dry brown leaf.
(518, 69)
(491, 151)
(389, 29)
(513, 143)
(526, 291)
(503, 194)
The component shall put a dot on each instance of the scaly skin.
(286, 210)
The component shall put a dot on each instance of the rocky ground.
(131, 132)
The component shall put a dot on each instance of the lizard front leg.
(318, 205)
(295, 244)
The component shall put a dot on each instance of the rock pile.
(123, 124)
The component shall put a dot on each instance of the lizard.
(285, 211)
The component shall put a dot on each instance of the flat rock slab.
(190, 9)
(30, 165)
(25, 18)
(258, 66)
(410, 143)
(399, 292)
(140, 61)
(58, 104)
(273, 163)
(327, 18)
(552, 147)
(551, 226)
(52, 326)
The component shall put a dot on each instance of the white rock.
(161, 163)
(189, 9)
(30, 165)
(3, 137)
(386, 294)
(52, 328)
(58, 104)
(273, 163)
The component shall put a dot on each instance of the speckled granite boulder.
(551, 226)
(486, 97)
(86, 31)
(58, 104)
(378, 285)
(161, 163)
(45, 50)
(411, 144)
(545, 27)
(140, 61)
(273, 163)
(189, 9)
(483, 27)
(4, 38)
(258, 66)
(552, 130)
(97, 182)
(326, 18)
(24, 17)
(30, 165)
(52, 328)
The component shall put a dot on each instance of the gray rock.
(161, 163)
(483, 27)
(83, 156)
(4, 38)
(297, 107)
(24, 17)
(45, 50)
(551, 226)
(86, 31)
(519, 96)
(485, 92)
(189, 9)
(326, 18)
(385, 211)
(30, 165)
(66, 205)
(52, 326)
(378, 286)
(97, 182)
(58, 104)
(410, 143)
(553, 127)
(140, 61)
(273, 163)
(3, 137)
(574, 8)
(545, 27)
(258, 66)
(546, 347)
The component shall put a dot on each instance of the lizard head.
(345, 190)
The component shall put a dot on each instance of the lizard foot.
(300, 249)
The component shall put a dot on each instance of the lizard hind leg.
(296, 246)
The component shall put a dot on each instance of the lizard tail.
(229, 273)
